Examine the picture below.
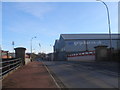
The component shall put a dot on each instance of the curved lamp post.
(40, 46)
(108, 16)
(31, 45)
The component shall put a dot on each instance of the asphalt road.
(76, 74)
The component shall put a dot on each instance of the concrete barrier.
(82, 58)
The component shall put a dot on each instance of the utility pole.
(108, 17)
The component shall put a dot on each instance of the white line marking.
(51, 76)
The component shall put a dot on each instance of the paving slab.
(32, 75)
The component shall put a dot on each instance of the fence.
(86, 55)
(7, 65)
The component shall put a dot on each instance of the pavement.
(32, 75)
(77, 74)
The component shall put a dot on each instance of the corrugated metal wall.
(83, 45)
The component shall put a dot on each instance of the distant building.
(5, 54)
(73, 43)
(50, 56)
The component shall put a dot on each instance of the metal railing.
(8, 65)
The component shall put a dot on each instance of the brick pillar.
(20, 53)
(100, 53)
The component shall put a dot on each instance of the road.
(76, 74)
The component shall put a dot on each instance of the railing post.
(101, 53)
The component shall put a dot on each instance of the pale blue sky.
(47, 20)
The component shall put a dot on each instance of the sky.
(47, 20)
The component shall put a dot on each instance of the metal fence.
(7, 65)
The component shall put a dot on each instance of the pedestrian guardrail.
(85, 53)
(7, 65)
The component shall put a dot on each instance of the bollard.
(20, 53)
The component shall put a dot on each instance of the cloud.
(38, 10)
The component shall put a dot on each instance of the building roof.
(56, 42)
(88, 36)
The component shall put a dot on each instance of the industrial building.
(77, 43)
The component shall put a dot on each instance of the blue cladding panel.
(80, 45)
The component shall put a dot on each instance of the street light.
(40, 45)
(31, 45)
(108, 23)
